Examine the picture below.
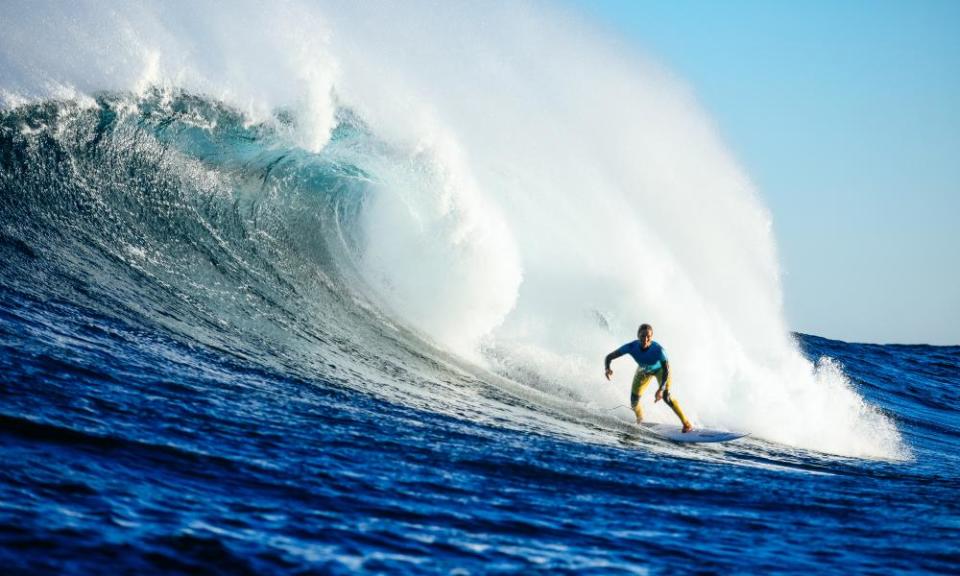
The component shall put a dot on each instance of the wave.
(323, 191)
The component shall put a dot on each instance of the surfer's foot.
(687, 428)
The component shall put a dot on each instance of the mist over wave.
(503, 181)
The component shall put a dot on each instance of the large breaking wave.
(413, 199)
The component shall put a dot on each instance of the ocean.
(277, 301)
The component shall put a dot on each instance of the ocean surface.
(191, 383)
(327, 289)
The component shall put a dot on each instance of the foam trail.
(541, 192)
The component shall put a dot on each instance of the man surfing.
(651, 363)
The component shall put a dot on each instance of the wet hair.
(644, 327)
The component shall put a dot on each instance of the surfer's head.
(645, 334)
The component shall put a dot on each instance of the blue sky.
(846, 115)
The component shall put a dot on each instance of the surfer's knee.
(634, 400)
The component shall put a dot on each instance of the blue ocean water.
(192, 382)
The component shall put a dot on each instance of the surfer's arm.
(662, 385)
(610, 358)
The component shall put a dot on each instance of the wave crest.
(330, 176)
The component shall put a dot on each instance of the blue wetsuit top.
(649, 360)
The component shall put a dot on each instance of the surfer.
(651, 363)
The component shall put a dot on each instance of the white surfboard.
(673, 432)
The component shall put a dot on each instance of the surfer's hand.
(658, 396)
(608, 373)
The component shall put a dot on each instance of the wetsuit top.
(649, 360)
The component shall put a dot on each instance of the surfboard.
(673, 432)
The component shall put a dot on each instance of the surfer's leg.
(673, 403)
(640, 382)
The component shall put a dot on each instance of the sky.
(846, 116)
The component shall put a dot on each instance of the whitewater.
(329, 287)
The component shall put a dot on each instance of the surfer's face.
(645, 337)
